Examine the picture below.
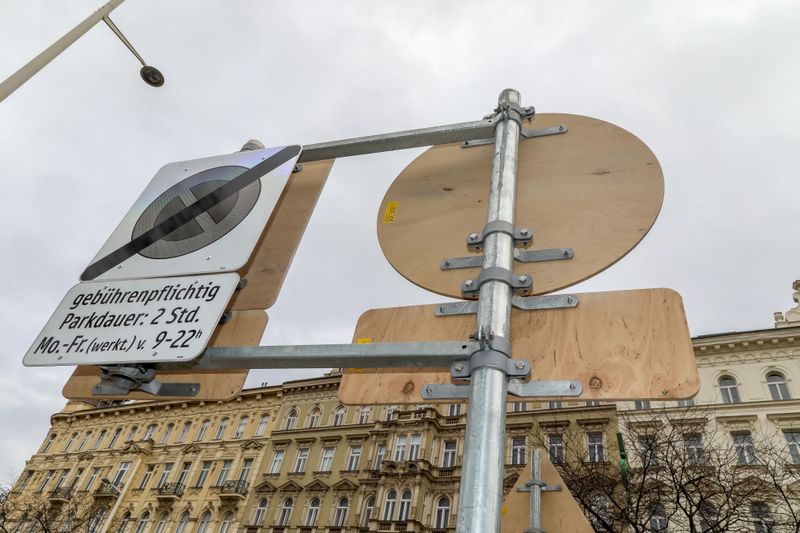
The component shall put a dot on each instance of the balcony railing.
(234, 489)
(63, 494)
(107, 489)
(170, 491)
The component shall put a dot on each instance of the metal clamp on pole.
(536, 486)
(522, 237)
(471, 287)
(120, 380)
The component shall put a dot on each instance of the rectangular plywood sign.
(245, 328)
(621, 345)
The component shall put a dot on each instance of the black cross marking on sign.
(188, 213)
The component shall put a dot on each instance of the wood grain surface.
(621, 345)
(596, 189)
(560, 512)
(244, 329)
(274, 251)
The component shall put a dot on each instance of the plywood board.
(621, 345)
(560, 512)
(596, 189)
(273, 254)
(244, 329)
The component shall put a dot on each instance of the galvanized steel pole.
(51, 52)
(481, 494)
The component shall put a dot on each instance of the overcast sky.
(710, 86)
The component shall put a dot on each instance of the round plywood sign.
(596, 189)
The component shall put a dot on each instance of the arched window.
(161, 527)
(201, 431)
(49, 442)
(70, 441)
(85, 440)
(341, 512)
(442, 513)
(762, 518)
(291, 419)
(658, 519)
(286, 512)
(182, 523)
(262, 426)
(227, 520)
(184, 432)
(365, 414)
(728, 390)
(239, 433)
(132, 434)
(221, 429)
(338, 416)
(369, 508)
(167, 432)
(313, 512)
(99, 439)
(149, 432)
(405, 505)
(313, 417)
(94, 523)
(777, 386)
(141, 527)
(388, 510)
(202, 525)
(123, 523)
(261, 512)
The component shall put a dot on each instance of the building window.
(24, 479)
(313, 417)
(148, 473)
(161, 527)
(793, 444)
(114, 438)
(75, 479)
(227, 520)
(728, 390)
(413, 450)
(261, 512)
(442, 513)
(223, 427)
(658, 519)
(388, 510)
(184, 432)
(244, 473)
(291, 420)
(400, 448)
(762, 518)
(380, 453)
(277, 460)
(85, 440)
(689, 402)
(554, 405)
(167, 432)
(92, 478)
(132, 434)
(405, 506)
(223, 474)
(743, 444)
(205, 520)
(365, 415)
(240, 429)
(596, 447)
(69, 443)
(61, 479)
(449, 454)
(693, 444)
(326, 464)
(122, 471)
(123, 524)
(50, 440)
(262, 426)
(182, 523)
(312, 513)
(201, 432)
(592, 403)
(368, 510)
(99, 439)
(341, 512)
(778, 388)
(454, 409)
(141, 527)
(203, 475)
(519, 407)
(353, 457)
(301, 460)
(642, 404)
(97, 519)
(286, 512)
(709, 518)
(556, 449)
(164, 477)
(149, 432)
(518, 451)
(338, 416)
(184, 473)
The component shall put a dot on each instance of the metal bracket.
(522, 237)
(543, 486)
(522, 283)
(531, 389)
(123, 379)
(524, 303)
(528, 134)
(523, 256)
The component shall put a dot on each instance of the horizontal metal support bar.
(378, 355)
(386, 142)
(549, 301)
(528, 134)
(545, 389)
(457, 308)
(537, 256)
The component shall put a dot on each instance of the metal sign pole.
(481, 493)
